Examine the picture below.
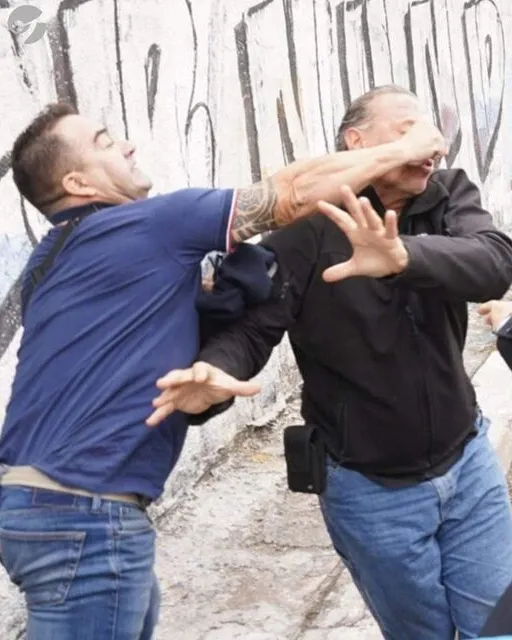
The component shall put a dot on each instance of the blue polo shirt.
(115, 312)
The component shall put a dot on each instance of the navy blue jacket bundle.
(242, 279)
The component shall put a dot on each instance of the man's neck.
(391, 198)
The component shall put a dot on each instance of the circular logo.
(21, 19)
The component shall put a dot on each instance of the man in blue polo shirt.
(108, 306)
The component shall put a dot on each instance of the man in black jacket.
(415, 501)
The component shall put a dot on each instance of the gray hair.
(357, 111)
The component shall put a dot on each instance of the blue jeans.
(85, 565)
(428, 559)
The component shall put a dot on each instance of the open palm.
(195, 390)
(377, 248)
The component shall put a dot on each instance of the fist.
(422, 141)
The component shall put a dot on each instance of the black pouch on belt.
(305, 455)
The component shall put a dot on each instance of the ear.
(354, 139)
(76, 184)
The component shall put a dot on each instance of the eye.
(106, 141)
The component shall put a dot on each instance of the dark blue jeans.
(85, 565)
(428, 559)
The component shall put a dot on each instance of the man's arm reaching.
(237, 354)
(293, 192)
(225, 364)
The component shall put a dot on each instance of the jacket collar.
(434, 194)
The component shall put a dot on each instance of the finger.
(340, 271)
(160, 414)
(175, 378)
(390, 225)
(166, 396)
(339, 217)
(354, 206)
(485, 308)
(372, 218)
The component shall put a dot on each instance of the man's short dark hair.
(357, 111)
(40, 158)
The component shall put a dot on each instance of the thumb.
(340, 271)
(241, 388)
(202, 372)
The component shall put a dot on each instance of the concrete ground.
(241, 557)
(250, 559)
(244, 558)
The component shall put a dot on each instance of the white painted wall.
(220, 92)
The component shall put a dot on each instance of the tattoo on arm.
(255, 211)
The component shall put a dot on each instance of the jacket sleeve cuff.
(215, 410)
(414, 268)
(406, 273)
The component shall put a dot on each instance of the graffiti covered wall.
(221, 92)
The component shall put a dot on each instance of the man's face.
(106, 166)
(390, 117)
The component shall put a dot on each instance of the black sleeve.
(473, 262)
(505, 342)
(499, 623)
(245, 347)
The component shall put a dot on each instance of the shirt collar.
(74, 213)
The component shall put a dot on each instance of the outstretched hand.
(378, 249)
(195, 390)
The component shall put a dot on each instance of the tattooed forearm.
(256, 208)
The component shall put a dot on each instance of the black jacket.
(381, 359)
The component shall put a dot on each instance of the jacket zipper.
(424, 401)
(424, 404)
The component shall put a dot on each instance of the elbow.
(498, 279)
(493, 291)
(500, 283)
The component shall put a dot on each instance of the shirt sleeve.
(193, 222)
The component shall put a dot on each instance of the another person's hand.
(195, 390)
(422, 141)
(378, 249)
(495, 312)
